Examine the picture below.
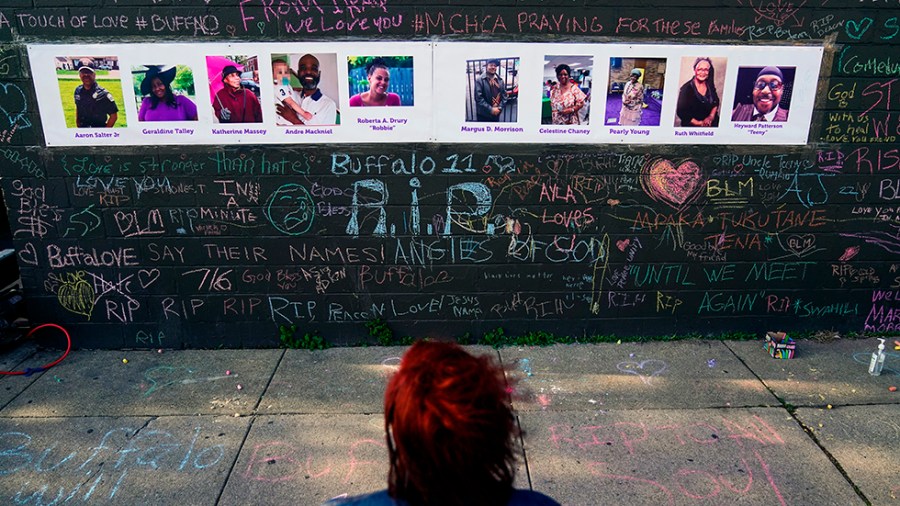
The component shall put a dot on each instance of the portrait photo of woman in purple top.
(160, 102)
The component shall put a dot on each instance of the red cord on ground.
(29, 371)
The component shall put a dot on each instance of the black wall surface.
(180, 247)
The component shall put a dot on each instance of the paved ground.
(687, 423)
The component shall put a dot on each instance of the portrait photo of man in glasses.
(769, 94)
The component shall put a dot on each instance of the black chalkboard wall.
(174, 247)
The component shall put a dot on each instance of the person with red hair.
(451, 433)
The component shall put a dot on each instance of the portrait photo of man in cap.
(492, 90)
(490, 93)
(91, 91)
(769, 94)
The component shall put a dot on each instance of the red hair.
(451, 431)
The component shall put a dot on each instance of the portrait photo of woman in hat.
(160, 102)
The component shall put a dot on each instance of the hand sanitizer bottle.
(877, 362)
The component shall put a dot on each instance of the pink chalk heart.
(623, 244)
(677, 186)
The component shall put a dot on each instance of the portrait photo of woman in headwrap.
(635, 91)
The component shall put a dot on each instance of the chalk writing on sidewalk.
(721, 460)
(100, 472)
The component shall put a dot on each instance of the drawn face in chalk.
(290, 209)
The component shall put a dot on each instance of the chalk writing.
(126, 452)
(613, 453)
(168, 240)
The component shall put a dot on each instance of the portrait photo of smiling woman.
(380, 81)
(165, 91)
(699, 100)
(567, 90)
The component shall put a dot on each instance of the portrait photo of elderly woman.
(380, 81)
(632, 99)
(699, 102)
(164, 90)
(568, 90)
(635, 91)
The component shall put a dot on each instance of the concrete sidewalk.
(692, 422)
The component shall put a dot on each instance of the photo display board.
(273, 93)
(162, 94)
(603, 103)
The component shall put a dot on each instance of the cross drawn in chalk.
(156, 377)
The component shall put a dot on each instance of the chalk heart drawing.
(857, 30)
(645, 370)
(675, 185)
(801, 244)
(147, 277)
(28, 254)
(500, 162)
(75, 294)
(622, 244)
(777, 12)
(13, 105)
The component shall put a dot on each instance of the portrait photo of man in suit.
(769, 94)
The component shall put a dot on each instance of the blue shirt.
(519, 498)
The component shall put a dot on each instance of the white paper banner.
(267, 104)
(608, 108)
(157, 94)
